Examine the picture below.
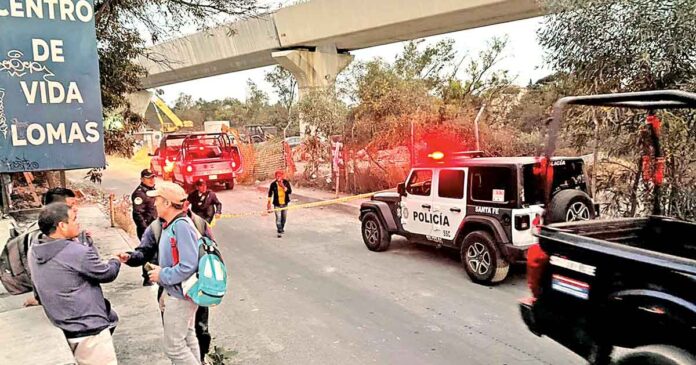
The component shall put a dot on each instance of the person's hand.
(218, 215)
(123, 257)
(154, 274)
(31, 302)
(268, 208)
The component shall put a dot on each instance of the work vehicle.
(175, 124)
(622, 290)
(216, 126)
(188, 157)
(259, 133)
(485, 207)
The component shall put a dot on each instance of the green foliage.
(604, 46)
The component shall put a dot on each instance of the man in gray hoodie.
(67, 274)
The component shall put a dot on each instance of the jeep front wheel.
(482, 260)
(374, 235)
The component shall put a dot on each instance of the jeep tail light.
(522, 222)
(189, 169)
(537, 261)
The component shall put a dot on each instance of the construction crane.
(176, 123)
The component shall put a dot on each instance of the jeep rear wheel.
(376, 238)
(482, 260)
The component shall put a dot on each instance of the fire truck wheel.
(482, 260)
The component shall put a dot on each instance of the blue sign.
(50, 98)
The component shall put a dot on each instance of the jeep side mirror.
(401, 189)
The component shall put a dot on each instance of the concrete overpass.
(313, 39)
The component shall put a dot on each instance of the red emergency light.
(437, 155)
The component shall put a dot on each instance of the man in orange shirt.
(279, 195)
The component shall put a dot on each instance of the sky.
(523, 57)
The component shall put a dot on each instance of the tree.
(628, 45)
(285, 86)
(122, 28)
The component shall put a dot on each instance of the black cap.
(146, 174)
(200, 182)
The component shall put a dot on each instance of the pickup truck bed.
(627, 283)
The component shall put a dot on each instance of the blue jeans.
(281, 217)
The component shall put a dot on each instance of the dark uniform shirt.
(144, 211)
(205, 205)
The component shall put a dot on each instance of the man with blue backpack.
(190, 271)
(147, 252)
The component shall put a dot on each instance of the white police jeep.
(485, 207)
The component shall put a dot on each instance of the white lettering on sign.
(43, 51)
(38, 134)
(65, 10)
(51, 92)
(558, 163)
(487, 210)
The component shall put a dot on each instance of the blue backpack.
(209, 285)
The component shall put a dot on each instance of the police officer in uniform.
(204, 202)
(144, 211)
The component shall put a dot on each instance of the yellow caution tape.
(296, 206)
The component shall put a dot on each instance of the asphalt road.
(318, 296)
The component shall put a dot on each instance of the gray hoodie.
(66, 276)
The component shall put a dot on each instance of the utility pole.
(476, 127)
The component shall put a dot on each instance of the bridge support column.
(313, 70)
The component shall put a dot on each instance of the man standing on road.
(279, 195)
(144, 211)
(147, 252)
(178, 260)
(67, 274)
(204, 202)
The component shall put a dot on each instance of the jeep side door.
(416, 206)
(449, 203)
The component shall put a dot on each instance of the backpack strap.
(156, 228)
(172, 239)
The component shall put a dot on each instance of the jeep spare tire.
(374, 235)
(570, 206)
(482, 260)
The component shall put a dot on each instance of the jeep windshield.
(567, 174)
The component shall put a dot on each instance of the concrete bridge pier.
(313, 70)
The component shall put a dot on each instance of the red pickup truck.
(185, 158)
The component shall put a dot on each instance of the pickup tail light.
(537, 261)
